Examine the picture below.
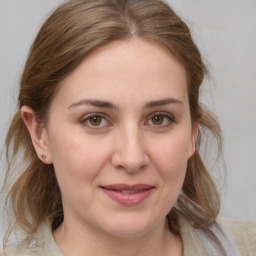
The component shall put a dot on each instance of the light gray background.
(226, 34)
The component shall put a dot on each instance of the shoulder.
(40, 244)
(21, 251)
(243, 233)
(30, 247)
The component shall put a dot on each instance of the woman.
(110, 124)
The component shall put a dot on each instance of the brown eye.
(95, 120)
(161, 120)
(157, 120)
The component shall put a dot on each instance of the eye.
(161, 119)
(94, 121)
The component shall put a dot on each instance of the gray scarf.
(227, 243)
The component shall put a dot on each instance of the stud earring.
(43, 156)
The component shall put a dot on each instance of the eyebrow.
(95, 103)
(109, 105)
(163, 102)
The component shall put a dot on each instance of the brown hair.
(70, 34)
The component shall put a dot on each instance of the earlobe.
(38, 134)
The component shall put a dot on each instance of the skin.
(135, 141)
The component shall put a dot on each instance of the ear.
(195, 130)
(38, 134)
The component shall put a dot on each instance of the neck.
(75, 240)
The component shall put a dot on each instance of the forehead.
(134, 56)
(136, 68)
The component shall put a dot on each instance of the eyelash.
(86, 119)
(170, 119)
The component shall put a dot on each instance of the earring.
(43, 156)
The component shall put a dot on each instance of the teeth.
(130, 191)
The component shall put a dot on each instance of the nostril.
(133, 166)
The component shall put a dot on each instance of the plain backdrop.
(225, 32)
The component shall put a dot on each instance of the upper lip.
(127, 187)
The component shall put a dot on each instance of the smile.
(128, 195)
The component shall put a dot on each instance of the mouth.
(128, 195)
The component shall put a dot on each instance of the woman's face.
(119, 136)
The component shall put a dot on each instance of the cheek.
(173, 151)
(170, 158)
(76, 158)
(170, 161)
(77, 162)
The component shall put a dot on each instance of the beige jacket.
(243, 234)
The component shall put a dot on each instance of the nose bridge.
(130, 153)
(133, 141)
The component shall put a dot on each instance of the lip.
(128, 195)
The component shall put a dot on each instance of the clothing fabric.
(240, 236)
(223, 236)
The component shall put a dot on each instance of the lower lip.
(128, 199)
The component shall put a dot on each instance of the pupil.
(158, 120)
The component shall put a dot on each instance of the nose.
(130, 152)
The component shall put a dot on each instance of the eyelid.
(164, 114)
(99, 114)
